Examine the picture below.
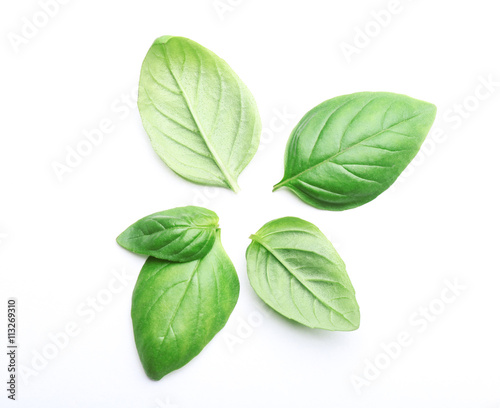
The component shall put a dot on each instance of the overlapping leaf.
(177, 308)
(181, 234)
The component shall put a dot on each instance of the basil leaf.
(180, 235)
(202, 120)
(349, 149)
(177, 308)
(295, 270)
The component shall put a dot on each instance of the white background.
(439, 222)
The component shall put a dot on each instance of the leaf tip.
(120, 239)
(123, 240)
(154, 374)
(434, 109)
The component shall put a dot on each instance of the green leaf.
(202, 120)
(181, 234)
(295, 270)
(349, 149)
(177, 308)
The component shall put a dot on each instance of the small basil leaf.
(202, 120)
(349, 149)
(295, 270)
(180, 235)
(177, 308)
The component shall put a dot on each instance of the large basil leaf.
(202, 120)
(348, 150)
(177, 308)
(295, 269)
(181, 234)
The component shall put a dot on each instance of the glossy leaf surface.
(181, 234)
(350, 149)
(177, 308)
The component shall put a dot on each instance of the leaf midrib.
(230, 180)
(257, 239)
(284, 182)
(174, 314)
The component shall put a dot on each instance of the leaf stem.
(232, 183)
(279, 185)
